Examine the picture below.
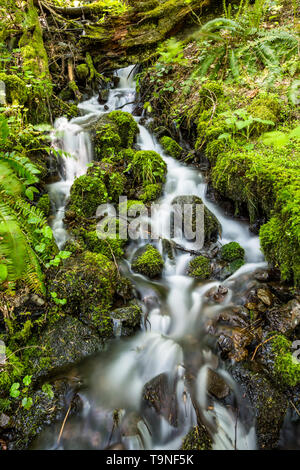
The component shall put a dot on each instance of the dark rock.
(268, 404)
(66, 342)
(130, 317)
(103, 96)
(160, 395)
(216, 385)
(284, 319)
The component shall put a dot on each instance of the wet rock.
(4, 421)
(197, 439)
(211, 226)
(216, 385)
(236, 343)
(37, 300)
(89, 283)
(47, 409)
(148, 261)
(66, 342)
(268, 404)
(284, 319)
(160, 395)
(103, 96)
(130, 317)
(265, 296)
(217, 294)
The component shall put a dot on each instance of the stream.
(174, 339)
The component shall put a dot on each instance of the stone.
(216, 385)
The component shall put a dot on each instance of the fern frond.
(23, 167)
(234, 65)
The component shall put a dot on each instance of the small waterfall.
(175, 322)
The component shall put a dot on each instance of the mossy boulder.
(212, 227)
(150, 192)
(127, 127)
(148, 167)
(89, 284)
(148, 262)
(82, 72)
(106, 139)
(15, 87)
(87, 193)
(130, 318)
(200, 268)
(232, 251)
(171, 147)
(112, 132)
(111, 248)
(286, 366)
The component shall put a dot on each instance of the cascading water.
(176, 310)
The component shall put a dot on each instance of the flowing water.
(173, 340)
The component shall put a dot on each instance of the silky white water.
(176, 308)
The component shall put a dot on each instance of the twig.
(298, 413)
(63, 424)
(261, 344)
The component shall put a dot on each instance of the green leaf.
(27, 380)
(14, 390)
(3, 272)
(27, 403)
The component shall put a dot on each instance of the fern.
(22, 225)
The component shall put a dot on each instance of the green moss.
(82, 71)
(16, 90)
(266, 182)
(232, 251)
(87, 193)
(107, 142)
(151, 192)
(200, 268)
(171, 147)
(287, 367)
(236, 264)
(111, 248)
(116, 186)
(197, 439)
(149, 263)
(127, 127)
(148, 167)
(44, 204)
(89, 284)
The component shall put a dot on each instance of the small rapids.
(173, 340)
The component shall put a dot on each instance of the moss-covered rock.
(150, 192)
(197, 439)
(82, 72)
(87, 193)
(171, 147)
(88, 283)
(111, 248)
(106, 139)
(200, 268)
(286, 366)
(148, 167)
(212, 227)
(130, 318)
(232, 251)
(148, 262)
(127, 127)
(16, 90)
